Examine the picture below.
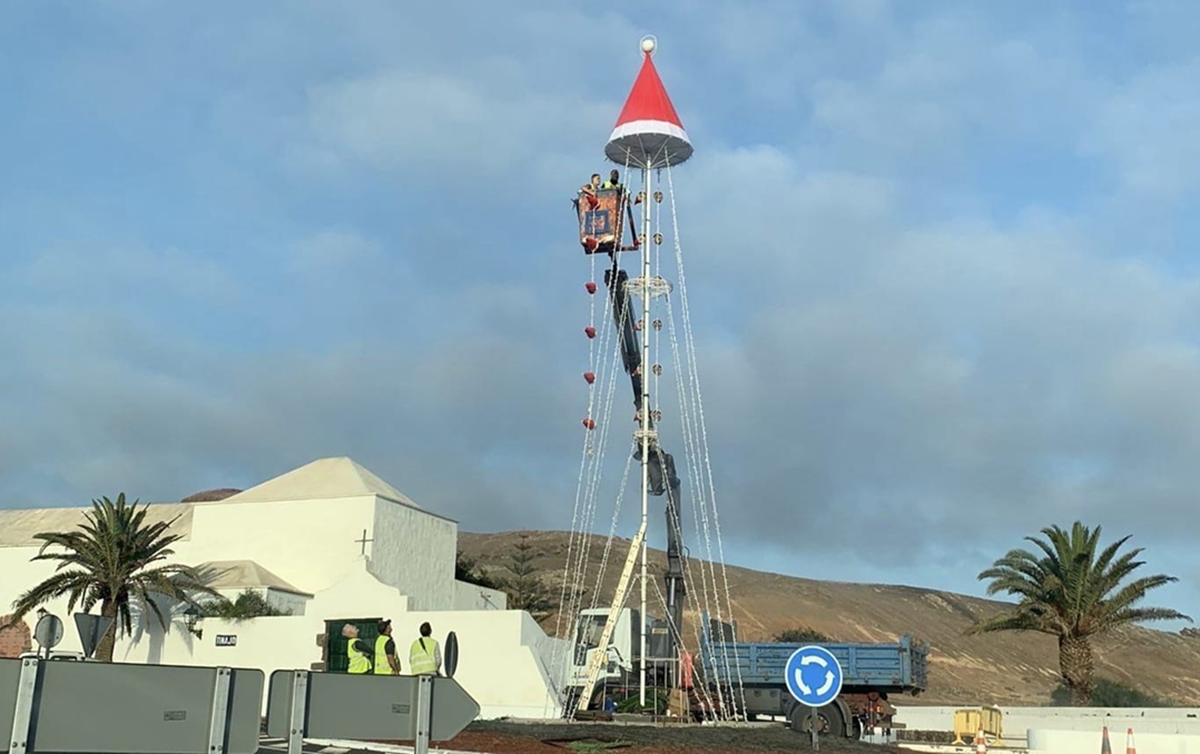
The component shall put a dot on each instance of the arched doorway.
(14, 639)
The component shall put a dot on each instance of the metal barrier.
(971, 721)
(59, 707)
(421, 709)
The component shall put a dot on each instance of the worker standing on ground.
(357, 650)
(425, 658)
(386, 662)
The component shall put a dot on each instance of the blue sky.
(940, 261)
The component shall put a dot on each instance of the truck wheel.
(829, 720)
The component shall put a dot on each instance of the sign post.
(814, 678)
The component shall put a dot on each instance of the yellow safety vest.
(611, 185)
(422, 659)
(358, 661)
(382, 666)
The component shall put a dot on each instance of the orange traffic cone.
(1129, 747)
(980, 743)
(1105, 746)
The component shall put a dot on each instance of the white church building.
(329, 542)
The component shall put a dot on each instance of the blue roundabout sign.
(814, 676)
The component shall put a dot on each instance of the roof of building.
(18, 527)
(323, 478)
(208, 496)
(242, 574)
(326, 478)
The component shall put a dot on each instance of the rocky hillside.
(1000, 668)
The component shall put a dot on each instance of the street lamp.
(192, 617)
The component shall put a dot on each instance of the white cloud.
(334, 250)
(1146, 126)
(905, 319)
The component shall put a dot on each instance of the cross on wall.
(364, 541)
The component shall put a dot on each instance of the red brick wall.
(15, 639)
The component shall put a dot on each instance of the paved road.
(279, 746)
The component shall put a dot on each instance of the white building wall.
(17, 574)
(505, 657)
(292, 604)
(309, 543)
(414, 551)
(1016, 720)
(1089, 742)
(502, 662)
(475, 597)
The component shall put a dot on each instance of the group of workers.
(594, 185)
(589, 189)
(424, 656)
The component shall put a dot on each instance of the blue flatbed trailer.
(870, 672)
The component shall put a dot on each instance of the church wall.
(499, 650)
(475, 597)
(292, 604)
(505, 658)
(553, 654)
(269, 643)
(500, 660)
(414, 551)
(309, 543)
(17, 574)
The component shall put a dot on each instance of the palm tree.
(1074, 593)
(114, 558)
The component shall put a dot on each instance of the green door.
(336, 659)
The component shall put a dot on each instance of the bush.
(1110, 694)
(801, 635)
(249, 604)
(656, 702)
(467, 569)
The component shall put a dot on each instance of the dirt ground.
(539, 738)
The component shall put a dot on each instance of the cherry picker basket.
(604, 220)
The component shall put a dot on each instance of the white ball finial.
(649, 43)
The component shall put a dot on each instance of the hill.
(1013, 669)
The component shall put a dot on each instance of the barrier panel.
(302, 704)
(61, 707)
(968, 722)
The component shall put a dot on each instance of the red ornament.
(589, 331)
(591, 287)
(589, 422)
(590, 377)
(590, 243)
